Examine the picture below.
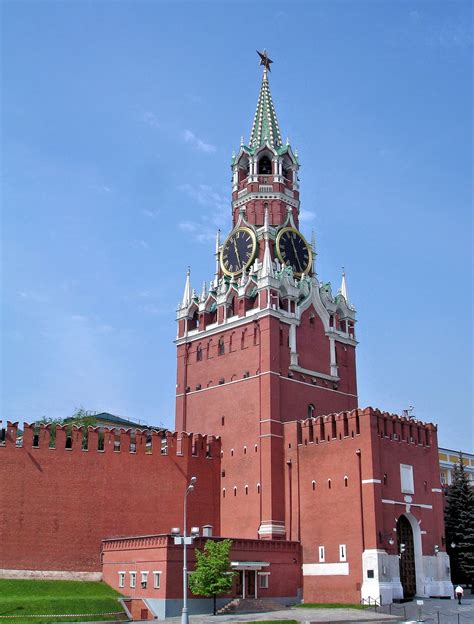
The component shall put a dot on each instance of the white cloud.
(307, 215)
(141, 243)
(205, 195)
(198, 231)
(33, 296)
(197, 143)
(152, 214)
(151, 120)
(204, 230)
(79, 318)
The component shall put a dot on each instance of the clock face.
(238, 251)
(292, 249)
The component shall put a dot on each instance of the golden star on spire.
(264, 59)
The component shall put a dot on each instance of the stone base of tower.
(272, 530)
(381, 575)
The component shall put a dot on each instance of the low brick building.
(148, 570)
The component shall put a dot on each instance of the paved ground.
(432, 612)
(435, 611)
(449, 613)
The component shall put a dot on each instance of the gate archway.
(406, 550)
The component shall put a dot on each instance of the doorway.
(245, 586)
(406, 552)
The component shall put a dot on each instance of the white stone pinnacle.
(187, 290)
(343, 289)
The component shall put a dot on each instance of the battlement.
(349, 424)
(74, 439)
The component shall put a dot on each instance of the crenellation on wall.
(72, 439)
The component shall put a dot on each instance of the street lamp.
(185, 540)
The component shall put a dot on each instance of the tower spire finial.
(265, 127)
(265, 61)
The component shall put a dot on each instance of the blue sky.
(118, 124)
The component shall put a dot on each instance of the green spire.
(265, 124)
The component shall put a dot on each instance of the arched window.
(223, 492)
(310, 410)
(264, 166)
(221, 347)
(246, 490)
(329, 483)
(256, 448)
(193, 322)
(258, 488)
(235, 490)
(346, 481)
(313, 485)
(245, 450)
(199, 354)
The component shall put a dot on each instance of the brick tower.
(267, 342)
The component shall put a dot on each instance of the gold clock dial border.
(277, 249)
(252, 255)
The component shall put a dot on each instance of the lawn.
(34, 597)
(329, 605)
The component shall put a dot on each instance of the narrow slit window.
(321, 554)
(342, 552)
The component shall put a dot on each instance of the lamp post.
(185, 540)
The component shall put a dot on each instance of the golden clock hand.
(237, 253)
(296, 254)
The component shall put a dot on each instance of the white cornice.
(312, 373)
(228, 383)
(281, 196)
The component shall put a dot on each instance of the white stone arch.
(315, 300)
(418, 551)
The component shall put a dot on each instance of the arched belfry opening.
(264, 166)
(406, 550)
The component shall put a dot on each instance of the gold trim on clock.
(280, 257)
(251, 256)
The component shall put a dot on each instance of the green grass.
(34, 597)
(329, 605)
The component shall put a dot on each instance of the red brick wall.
(58, 504)
(249, 412)
(355, 515)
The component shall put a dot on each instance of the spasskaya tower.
(266, 342)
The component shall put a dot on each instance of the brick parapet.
(74, 439)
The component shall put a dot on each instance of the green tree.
(80, 418)
(212, 575)
(459, 523)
